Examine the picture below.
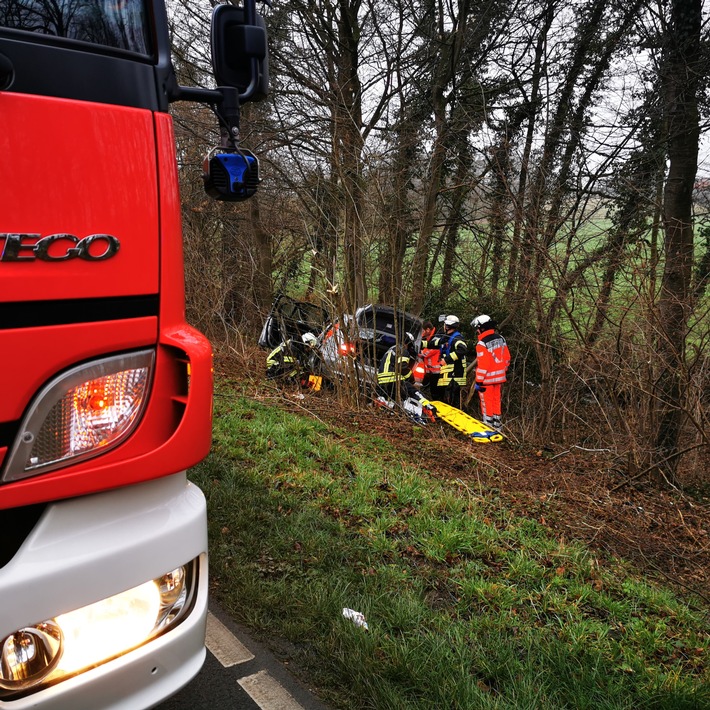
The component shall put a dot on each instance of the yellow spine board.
(466, 424)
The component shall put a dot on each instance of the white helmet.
(451, 322)
(309, 339)
(481, 321)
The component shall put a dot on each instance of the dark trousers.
(449, 393)
(400, 388)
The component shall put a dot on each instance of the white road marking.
(268, 693)
(224, 645)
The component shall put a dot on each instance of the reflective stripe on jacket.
(281, 361)
(453, 359)
(394, 365)
(492, 358)
(280, 355)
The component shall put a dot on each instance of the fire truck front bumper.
(105, 603)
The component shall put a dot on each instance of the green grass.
(468, 606)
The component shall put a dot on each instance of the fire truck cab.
(106, 392)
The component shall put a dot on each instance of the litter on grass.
(356, 617)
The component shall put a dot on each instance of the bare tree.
(681, 80)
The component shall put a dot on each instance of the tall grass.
(468, 606)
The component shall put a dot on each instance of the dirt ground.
(579, 494)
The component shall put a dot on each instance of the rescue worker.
(492, 362)
(452, 375)
(394, 380)
(290, 359)
(395, 369)
(428, 332)
(427, 373)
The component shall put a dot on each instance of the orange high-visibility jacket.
(492, 358)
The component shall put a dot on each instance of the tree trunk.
(528, 111)
(263, 292)
(396, 218)
(349, 137)
(500, 200)
(445, 72)
(421, 253)
(681, 100)
(455, 219)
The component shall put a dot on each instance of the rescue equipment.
(466, 424)
(314, 382)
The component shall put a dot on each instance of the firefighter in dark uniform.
(395, 369)
(394, 381)
(290, 359)
(452, 376)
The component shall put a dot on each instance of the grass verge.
(468, 606)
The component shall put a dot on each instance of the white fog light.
(83, 412)
(28, 655)
(46, 653)
(173, 595)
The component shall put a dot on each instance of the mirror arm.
(228, 115)
(249, 12)
(224, 101)
(187, 93)
(211, 96)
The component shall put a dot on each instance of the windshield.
(119, 24)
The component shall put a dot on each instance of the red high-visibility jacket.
(492, 358)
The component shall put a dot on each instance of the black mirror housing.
(231, 176)
(240, 52)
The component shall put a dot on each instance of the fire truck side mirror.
(240, 50)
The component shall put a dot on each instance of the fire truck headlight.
(51, 651)
(82, 412)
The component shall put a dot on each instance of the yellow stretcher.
(477, 430)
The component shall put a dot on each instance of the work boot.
(497, 424)
(488, 421)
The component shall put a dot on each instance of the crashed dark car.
(290, 319)
(350, 343)
(362, 340)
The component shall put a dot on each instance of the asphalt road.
(240, 674)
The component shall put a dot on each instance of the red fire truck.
(106, 391)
